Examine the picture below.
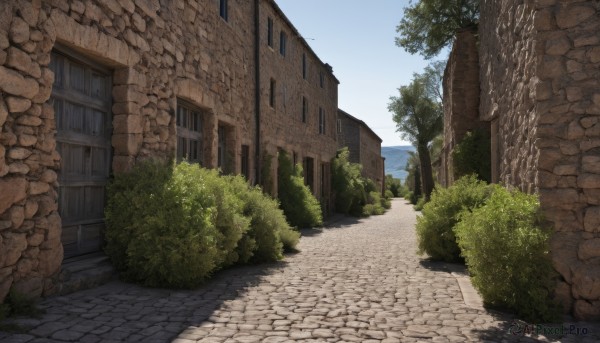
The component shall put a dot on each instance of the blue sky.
(356, 37)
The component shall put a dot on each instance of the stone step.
(85, 273)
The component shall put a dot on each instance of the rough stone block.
(566, 170)
(589, 249)
(19, 30)
(127, 144)
(127, 124)
(587, 310)
(591, 219)
(20, 60)
(573, 14)
(586, 282)
(17, 104)
(586, 180)
(50, 260)
(563, 246)
(13, 245)
(36, 188)
(129, 76)
(14, 190)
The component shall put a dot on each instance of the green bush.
(173, 225)
(435, 228)
(472, 155)
(393, 185)
(348, 184)
(263, 241)
(507, 253)
(389, 194)
(298, 203)
(289, 238)
(162, 225)
(420, 204)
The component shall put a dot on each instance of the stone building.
(364, 146)
(90, 88)
(539, 68)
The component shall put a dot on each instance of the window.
(339, 126)
(321, 79)
(321, 121)
(189, 133)
(272, 93)
(304, 66)
(270, 32)
(222, 148)
(309, 173)
(224, 10)
(304, 109)
(245, 163)
(282, 43)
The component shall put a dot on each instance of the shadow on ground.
(121, 311)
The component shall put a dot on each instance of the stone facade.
(460, 99)
(300, 118)
(540, 90)
(160, 57)
(364, 147)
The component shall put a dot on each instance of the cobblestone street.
(356, 281)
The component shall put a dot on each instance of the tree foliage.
(419, 117)
(430, 25)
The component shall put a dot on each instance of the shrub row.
(174, 224)
(500, 235)
(298, 203)
(355, 194)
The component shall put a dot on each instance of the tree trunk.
(426, 170)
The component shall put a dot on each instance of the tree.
(419, 118)
(429, 25)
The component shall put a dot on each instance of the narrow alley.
(358, 280)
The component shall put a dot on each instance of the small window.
(245, 162)
(189, 133)
(339, 126)
(282, 43)
(224, 10)
(321, 79)
(304, 66)
(272, 93)
(304, 109)
(270, 32)
(321, 121)
(222, 148)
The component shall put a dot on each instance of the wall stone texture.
(159, 52)
(540, 87)
(364, 147)
(460, 99)
(282, 126)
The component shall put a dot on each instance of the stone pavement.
(356, 281)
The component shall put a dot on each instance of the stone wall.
(158, 53)
(540, 72)
(282, 126)
(364, 147)
(508, 82)
(460, 100)
(370, 152)
(348, 135)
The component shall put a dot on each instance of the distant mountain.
(395, 160)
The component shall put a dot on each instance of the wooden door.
(82, 101)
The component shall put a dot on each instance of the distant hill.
(395, 160)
